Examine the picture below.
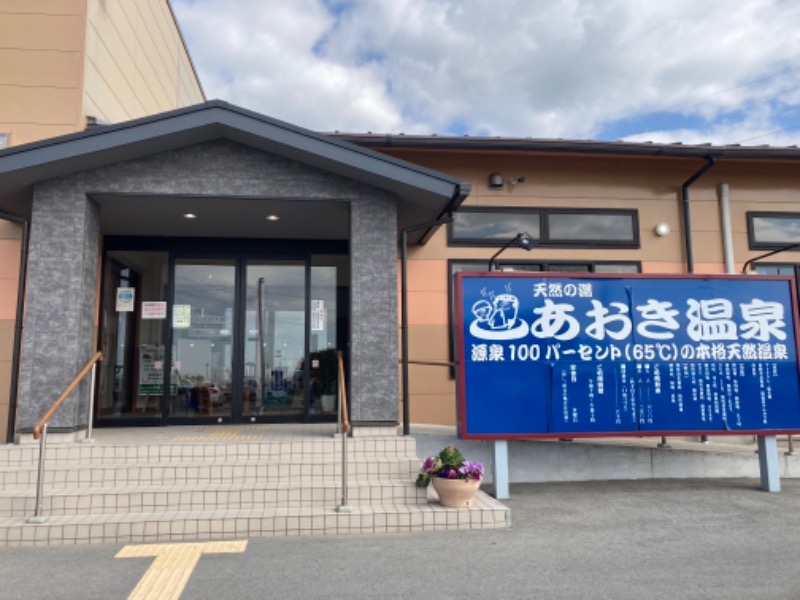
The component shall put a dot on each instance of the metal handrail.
(37, 430)
(40, 430)
(344, 430)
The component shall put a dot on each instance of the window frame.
(544, 227)
(754, 244)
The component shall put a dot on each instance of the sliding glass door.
(203, 337)
(222, 338)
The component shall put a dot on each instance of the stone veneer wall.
(64, 257)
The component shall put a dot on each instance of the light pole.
(522, 240)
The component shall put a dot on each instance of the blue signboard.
(569, 356)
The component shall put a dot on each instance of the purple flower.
(471, 470)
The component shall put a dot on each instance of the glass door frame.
(239, 250)
(241, 261)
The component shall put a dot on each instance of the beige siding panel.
(138, 59)
(434, 409)
(39, 106)
(664, 268)
(41, 32)
(429, 343)
(39, 68)
(100, 93)
(116, 21)
(26, 133)
(701, 268)
(109, 55)
(90, 108)
(425, 379)
(49, 7)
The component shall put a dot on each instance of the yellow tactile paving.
(232, 433)
(167, 576)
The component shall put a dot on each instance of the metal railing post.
(92, 380)
(344, 423)
(37, 514)
(344, 506)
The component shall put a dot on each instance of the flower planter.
(456, 493)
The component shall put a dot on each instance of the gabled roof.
(424, 194)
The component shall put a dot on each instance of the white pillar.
(768, 463)
(500, 470)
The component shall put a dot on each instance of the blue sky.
(715, 71)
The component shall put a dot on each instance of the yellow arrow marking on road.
(174, 563)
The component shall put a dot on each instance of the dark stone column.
(374, 312)
(59, 326)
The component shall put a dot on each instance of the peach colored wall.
(10, 245)
(649, 185)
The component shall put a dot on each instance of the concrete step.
(196, 497)
(227, 482)
(197, 472)
(238, 523)
(222, 450)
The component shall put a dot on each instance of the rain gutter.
(687, 218)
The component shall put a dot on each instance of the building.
(220, 259)
(69, 64)
(243, 252)
(66, 65)
(592, 207)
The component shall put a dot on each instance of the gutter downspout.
(687, 220)
(23, 267)
(727, 235)
(460, 192)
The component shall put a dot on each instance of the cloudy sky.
(695, 71)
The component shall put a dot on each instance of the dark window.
(481, 227)
(549, 226)
(591, 227)
(773, 230)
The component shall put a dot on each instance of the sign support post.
(768, 463)
(500, 470)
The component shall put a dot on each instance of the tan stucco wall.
(652, 186)
(10, 245)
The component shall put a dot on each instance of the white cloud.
(543, 68)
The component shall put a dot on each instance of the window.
(550, 226)
(3, 140)
(459, 266)
(773, 230)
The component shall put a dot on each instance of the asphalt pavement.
(667, 539)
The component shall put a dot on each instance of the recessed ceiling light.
(189, 216)
(272, 217)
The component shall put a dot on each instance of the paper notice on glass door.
(317, 315)
(125, 299)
